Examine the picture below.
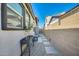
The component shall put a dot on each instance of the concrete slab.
(50, 50)
(46, 43)
(45, 40)
(40, 40)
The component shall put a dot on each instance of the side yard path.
(43, 48)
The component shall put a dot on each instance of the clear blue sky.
(41, 10)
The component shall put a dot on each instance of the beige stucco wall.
(52, 26)
(71, 21)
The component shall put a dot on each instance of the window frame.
(4, 18)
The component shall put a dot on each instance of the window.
(13, 19)
(16, 7)
(12, 16)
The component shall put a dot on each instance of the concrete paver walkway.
(43, 48)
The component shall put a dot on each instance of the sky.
(42, 10)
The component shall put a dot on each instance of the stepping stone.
(46, 43)
(40, 40)
(45, 40)
(50, 50)
(44, 37)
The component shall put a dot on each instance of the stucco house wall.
(10, 40)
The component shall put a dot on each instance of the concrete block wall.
(65, 40)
